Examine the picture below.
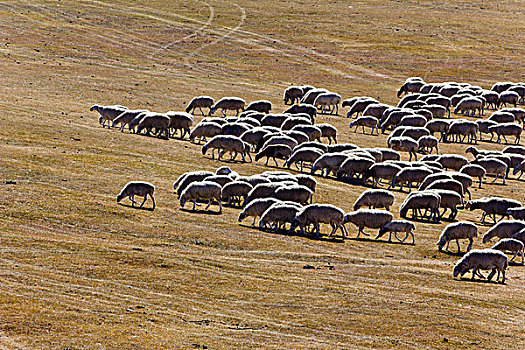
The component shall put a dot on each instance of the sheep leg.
(457, 242)
(446, 247)
(194, 203)
(483, 217)
(276, 164)
(504, 138)
(491, 274)
(515, 255)
(334, 229)
(144, 201)
(200, 109)
(153, 199)
(132, 200)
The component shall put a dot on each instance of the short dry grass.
(80, 271)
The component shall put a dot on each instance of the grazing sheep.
(276, 140)
(199, 102)
(279, 214)
(519, 168)
(367, 121)
(253, 180)
(256, 208)
(414, 132)
(202, 190)
(261, 106)
(375, 110)
(137, 188)
(159, 122)
(108, 113)
(447, 184)
(405, 144)
(512, 245)
(187, 178)
(501, 86)
(227, 143)
(371, 218)
(298, 136)
(452, 161)
(235, 129)
(491, 97)
(418, 200)
(449, 200)
(389, 154)
(492, 206)
(204, 130)
(440, 101)
(375, 199)
(502, 117)
(228, 103)
(329, 162)
(470, 104)
(519, 113)
(407, 98)
(329, 131)
(312, 131)
(517, 213)
(310, 96)
(428, 143)
(482, 259)
(290, 122)
(353, 166)
(126, 117)
(275, 120)
(463, 129)
(510, 97)
(437, 111)
(380, 171)
(315, 214)
(295, 193)
(412, 120)
(360, 106)
(306, 180)
(264, 190)
(274, 151)
(493, 166)
(507, 129)
(396, 226)
(330, 100)
(503, 229)
(483, 127)
(409, 176)
(474, 170)
(180, 121)
(221, 180)
(255, 136)
(303, 108)
(309, 155)
(458, 230)
(341, 147)
(412, 85)
(292, 94)
(438, 125)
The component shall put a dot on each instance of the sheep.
(367, 121)
(437, 111)
(493, 166)
(501, 86)
(449, 90)
(275, 120)
(408, 98)
(519, 113)
(380, 171)
(463, 129)
(264, 190)
(414, 132)
(312, 131)
(126, 117)
(470, 104)
(375, 110)
(474, 170)
(510, 97)
(320, 214)
(310, 96)
(199, 102)
(491, 97)
(520, 90)
(405, 144)
(507, 129)
(235, 129)
(328, 99)
(421, 200)
(292, 94)
(354, 165)
(227, 143)
(396, 226)
(452, 161)
(158, 121)
(303, 108)
(329, 131)
(187, 178)
(360, 106)
(255, 135)
(412, 120)
(458, 230)
(482, 259)
(350, 101)
(512, 245)
(389, 154)
(520, 236)
(410, 86)
(428, 143)
(446, 184)
(306, 180)
(279, 151)
(253, 180)
(438, 125)
(371, 218)
(261, 106)
(502, 117)
(492, 206)
(329, 162)
(137, 188)
(290, 122)
(221, 180)
(483, 127)
(202, 190)
(517, 213)
(409, 175)
(375, 199)
(415, 104)
(275, 140)
(204, 130)
(228, 103)
(298, 136)
(341, 147)
(279, 214)
(180, 120)
(449, 200)
(256, 208)
(503, 229)
(308, 154)
(295, 193)
(440, 101)
(108, 113)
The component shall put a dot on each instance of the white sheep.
(261, 106)
(510, 97)
(279, 214)
(375, 198)
(493, 166)
(482, 259)
(137, 188)
(457, 231)
(428, 143)
(405, 144)
(371, 218)
(187, 178)
(315, 214)
(329, 162)
(474, 170)
(108, 113)
(199, 102)
(512, 245)
(292, 94)
(503, 229)
(295, 193)
(470, 104)
(428, 200)
(228, 103)
(202, 190)
(180, 121)
(517, 213)
(492, 206)
(126, 117)
(256, 208)
(330, 100)
(329, 131)
(367, 121)
(204, 130)
(396, 226)
(507, 129)
(159, 122)
(228, 143)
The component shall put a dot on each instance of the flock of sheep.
(279, 197)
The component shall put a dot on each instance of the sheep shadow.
(138, 208)
(230, 161)
(296, 234)
(201, 211)
(451, 253)
(514, 263)
(372, 240)
(479, 280)
(424, 221)
(155, 136)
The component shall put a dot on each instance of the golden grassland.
(80, 271)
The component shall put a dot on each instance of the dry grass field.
(79, 271)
